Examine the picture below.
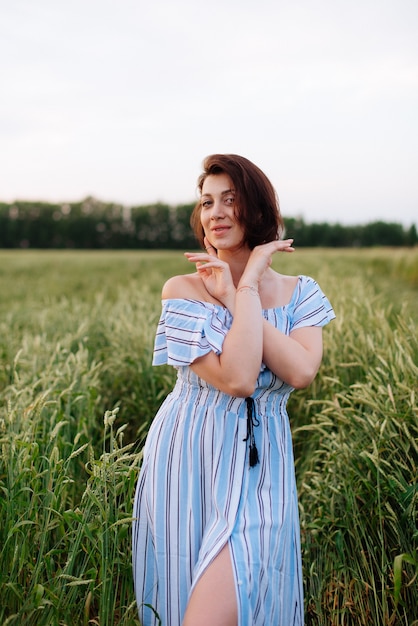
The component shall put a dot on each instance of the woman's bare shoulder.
(277, 289)
(183, 286)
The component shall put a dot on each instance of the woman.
(216, 537)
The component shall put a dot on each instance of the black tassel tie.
(252, 421)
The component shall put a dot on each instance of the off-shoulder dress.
(196, 489)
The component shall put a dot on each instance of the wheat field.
(77, 394)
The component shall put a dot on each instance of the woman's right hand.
(215, 275)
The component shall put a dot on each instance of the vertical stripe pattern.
(196, 491)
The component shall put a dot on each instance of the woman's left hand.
(261, 258)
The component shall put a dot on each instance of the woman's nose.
(217, 211)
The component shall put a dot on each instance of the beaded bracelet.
(250, 289)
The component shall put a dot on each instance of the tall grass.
(66, 486)
(357, 468)
(67, 470)
(77, 393)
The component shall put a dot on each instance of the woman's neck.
(237, 260)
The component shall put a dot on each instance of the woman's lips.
(220, 229)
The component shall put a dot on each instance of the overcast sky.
(123, 99)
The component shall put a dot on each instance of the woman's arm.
(236, 369)
(295, 358)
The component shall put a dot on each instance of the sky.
(123, 99)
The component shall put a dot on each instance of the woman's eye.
(230, 200)
(206, 204)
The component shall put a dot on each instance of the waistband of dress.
(204, 394)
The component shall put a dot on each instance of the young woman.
(216, 537)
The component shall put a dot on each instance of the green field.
(77, 393)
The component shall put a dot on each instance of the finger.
(205, 261)
(200, 256)
(209, 265)
(284, 245)
(208, 247)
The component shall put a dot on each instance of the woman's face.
(218, 213)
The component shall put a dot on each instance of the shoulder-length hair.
(256, 203)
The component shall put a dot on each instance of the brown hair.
(257, 205)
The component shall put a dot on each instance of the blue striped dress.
(196, 490)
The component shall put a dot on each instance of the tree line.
(92, 224)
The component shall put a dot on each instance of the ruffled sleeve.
(189, 329)
(311, 307)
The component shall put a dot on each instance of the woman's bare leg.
(213, 601)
